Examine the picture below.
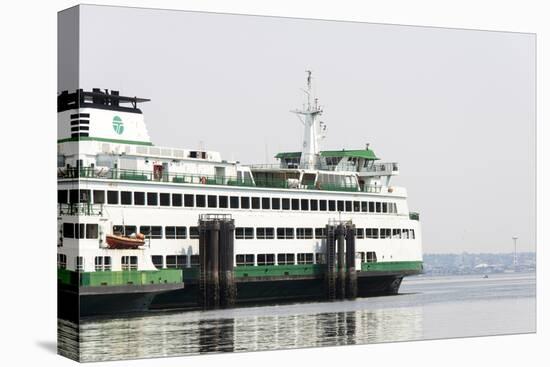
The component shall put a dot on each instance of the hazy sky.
(455, 108)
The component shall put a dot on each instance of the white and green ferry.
(113, 181)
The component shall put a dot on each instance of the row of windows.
(103, 263)
(293, 259)
(141, 198)
(80, 230)
(90, 231)
(155, 232)
(264, 233)
(175, 261)
(184, 261)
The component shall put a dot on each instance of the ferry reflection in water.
(427, 308)
(203, 332)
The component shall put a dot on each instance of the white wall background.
(28, 64)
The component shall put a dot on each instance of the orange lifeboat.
(123, 242)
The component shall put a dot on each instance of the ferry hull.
(257, 292)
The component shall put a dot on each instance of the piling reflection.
(200, 333)
(427, 309)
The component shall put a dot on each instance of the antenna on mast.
(314, 130)
(308, 89)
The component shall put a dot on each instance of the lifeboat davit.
(125, 243)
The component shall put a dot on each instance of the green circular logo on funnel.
(118, 126)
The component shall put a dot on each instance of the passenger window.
(139, 198)
(176, 200)
(188, 200)
(112, 197)
(371, 206)
(212, 202)
(348, 206)
(234, 202)
(62, 196)
(200, 201)
(91, 230)
(313, 204)
(152, 198)
(68, 230)
(164, 199)
(99, 197)
(126, 198)
(194, 232)
(286, 204)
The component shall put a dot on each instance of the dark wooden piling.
(203, 266)
(351, 274)
(212, 265)
(341, 278)
(330, 271)
(228, 288)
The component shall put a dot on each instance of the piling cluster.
(340, 275)
(216, 254)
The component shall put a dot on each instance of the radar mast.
(314, 129)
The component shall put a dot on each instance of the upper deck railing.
(376, 168)
(387, 167)
(179, 178)
(80, 209)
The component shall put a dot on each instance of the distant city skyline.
(468, 263)
(455, 108)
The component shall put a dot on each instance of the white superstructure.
(112, 179)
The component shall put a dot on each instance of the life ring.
(203, 180)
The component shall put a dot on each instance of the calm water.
(426, 308)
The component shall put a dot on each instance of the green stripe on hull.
(163, 276)
(392, 266)
(66, 276)
(278, 270)
(130, 277)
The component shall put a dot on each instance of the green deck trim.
(106, 140)
(191, 273)
(278, 270)
(162, 276)
(288, 155)
(356, 153)
(126, 277)
(66, 276)
(133, 177)
(392, 266)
